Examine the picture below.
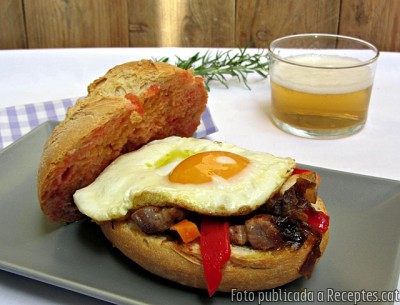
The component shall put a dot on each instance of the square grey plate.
(363, 253)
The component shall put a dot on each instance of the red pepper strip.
(318, 220)
(215, 250)
(299, 171)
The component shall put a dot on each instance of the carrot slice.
(187, 230)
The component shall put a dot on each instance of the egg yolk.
(202, 167)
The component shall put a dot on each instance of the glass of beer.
(321, 84)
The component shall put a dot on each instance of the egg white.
(140, 178)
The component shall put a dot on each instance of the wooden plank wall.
(191, 23)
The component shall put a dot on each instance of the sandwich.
(200, 213)
(210, 215)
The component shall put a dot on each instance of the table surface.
(242, 117)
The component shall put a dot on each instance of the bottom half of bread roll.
(247, 269)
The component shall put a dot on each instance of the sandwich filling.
(288, 219)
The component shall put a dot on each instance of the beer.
(316, 99)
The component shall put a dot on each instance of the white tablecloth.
(241, 115)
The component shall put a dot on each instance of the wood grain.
(373, 20)
(259, 22)
(76, 23)
(181, 23)
(191, 23)
(12, 27)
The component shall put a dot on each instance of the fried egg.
(208, 177)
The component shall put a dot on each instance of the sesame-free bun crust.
(247, 269)
(164, 100)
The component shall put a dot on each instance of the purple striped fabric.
(16, 121)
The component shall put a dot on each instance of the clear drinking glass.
(321, 84)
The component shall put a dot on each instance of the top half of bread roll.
(130, 105)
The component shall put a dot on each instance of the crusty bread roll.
(247, 269)
(129, 106)
(173, 99)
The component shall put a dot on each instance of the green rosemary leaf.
(216, 66)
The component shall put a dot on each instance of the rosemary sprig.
(216, 66)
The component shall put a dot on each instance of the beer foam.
(315, 80)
